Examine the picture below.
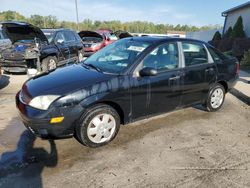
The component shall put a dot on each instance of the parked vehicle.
(92, 42)
(131, 79)
(30, 46)
(109, 35)
(122, 34)
(4, 41)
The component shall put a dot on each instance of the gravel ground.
(186, 148)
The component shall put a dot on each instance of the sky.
(190, 12)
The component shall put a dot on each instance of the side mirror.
(148, 71)
(60, 41)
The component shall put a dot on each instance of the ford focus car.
(130, 79)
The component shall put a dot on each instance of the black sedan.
(131, 79)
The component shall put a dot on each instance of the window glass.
(69, 36)
(117, 56)
(194, 54)
(59, 37)
(216, 54)
(163, 57)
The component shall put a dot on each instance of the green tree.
(217, 36)
(37, 20)
(229, 33)
(238, 29)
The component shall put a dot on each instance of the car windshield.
(117, 56)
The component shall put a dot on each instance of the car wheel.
(215, 98)
(49, 63)
(98, 126)
(80, 56)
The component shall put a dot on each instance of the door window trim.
(209, 56)
(180, 61)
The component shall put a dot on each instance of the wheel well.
(117, 108)
(224, 84)
(53, 55)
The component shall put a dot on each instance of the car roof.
(151, 39)
(54, 30)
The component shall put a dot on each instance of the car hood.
(17, 31)
(63, 81)
(89, 34)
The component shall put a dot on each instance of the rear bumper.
(231, 83)
(38, 121)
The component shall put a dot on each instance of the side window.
(59, 37)
(164, 57)
(194, 54)
(217, 56)
(69, 36)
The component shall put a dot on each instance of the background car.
(108, 35)
(4, 41)
(130, 79)
(30, 46)
(92, 42)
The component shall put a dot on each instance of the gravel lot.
(186, 148)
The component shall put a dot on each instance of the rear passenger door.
(62, 47)
(199, 72)
(71, 43)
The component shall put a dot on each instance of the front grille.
(87, 45)
(13, 56)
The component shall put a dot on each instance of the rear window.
(216, 54)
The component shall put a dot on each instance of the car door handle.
(174, 78)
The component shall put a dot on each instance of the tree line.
(88, 24)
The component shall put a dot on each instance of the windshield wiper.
(93, 66)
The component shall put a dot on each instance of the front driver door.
(163, 90)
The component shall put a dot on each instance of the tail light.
(237, 68)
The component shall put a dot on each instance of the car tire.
(98, 126)
(80, 56)
(49, 63)
(216, 97)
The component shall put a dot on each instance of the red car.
(108, 34)
(92, 42)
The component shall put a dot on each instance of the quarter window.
(164, 57)
(194, 54)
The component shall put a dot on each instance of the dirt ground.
(186, 148)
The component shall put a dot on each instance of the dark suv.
(49, 47)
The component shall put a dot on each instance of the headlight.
(43, 102)
(95, 45)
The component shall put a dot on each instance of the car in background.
(130, 79)
(92, 42)
(4, 41)
(32, 48)
(108, 34)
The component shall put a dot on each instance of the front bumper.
(38, 121)
(14, 66)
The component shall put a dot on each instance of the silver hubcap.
(217, 98)
(52, 64)
(101, 128)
